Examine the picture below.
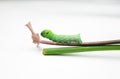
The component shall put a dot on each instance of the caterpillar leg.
(68, 42)
(64, 42)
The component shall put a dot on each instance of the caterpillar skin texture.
(61, 38)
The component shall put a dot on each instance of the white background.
(20, 59)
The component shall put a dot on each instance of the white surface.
(20, 59)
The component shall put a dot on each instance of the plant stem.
(64, 50)
(97, 43)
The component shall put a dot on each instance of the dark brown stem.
(97, 43)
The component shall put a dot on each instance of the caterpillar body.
(68, 39)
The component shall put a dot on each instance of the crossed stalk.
(85, 46)
(36, 35)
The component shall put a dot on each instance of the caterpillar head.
(46, 33)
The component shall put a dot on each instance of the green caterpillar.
(68, 39)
